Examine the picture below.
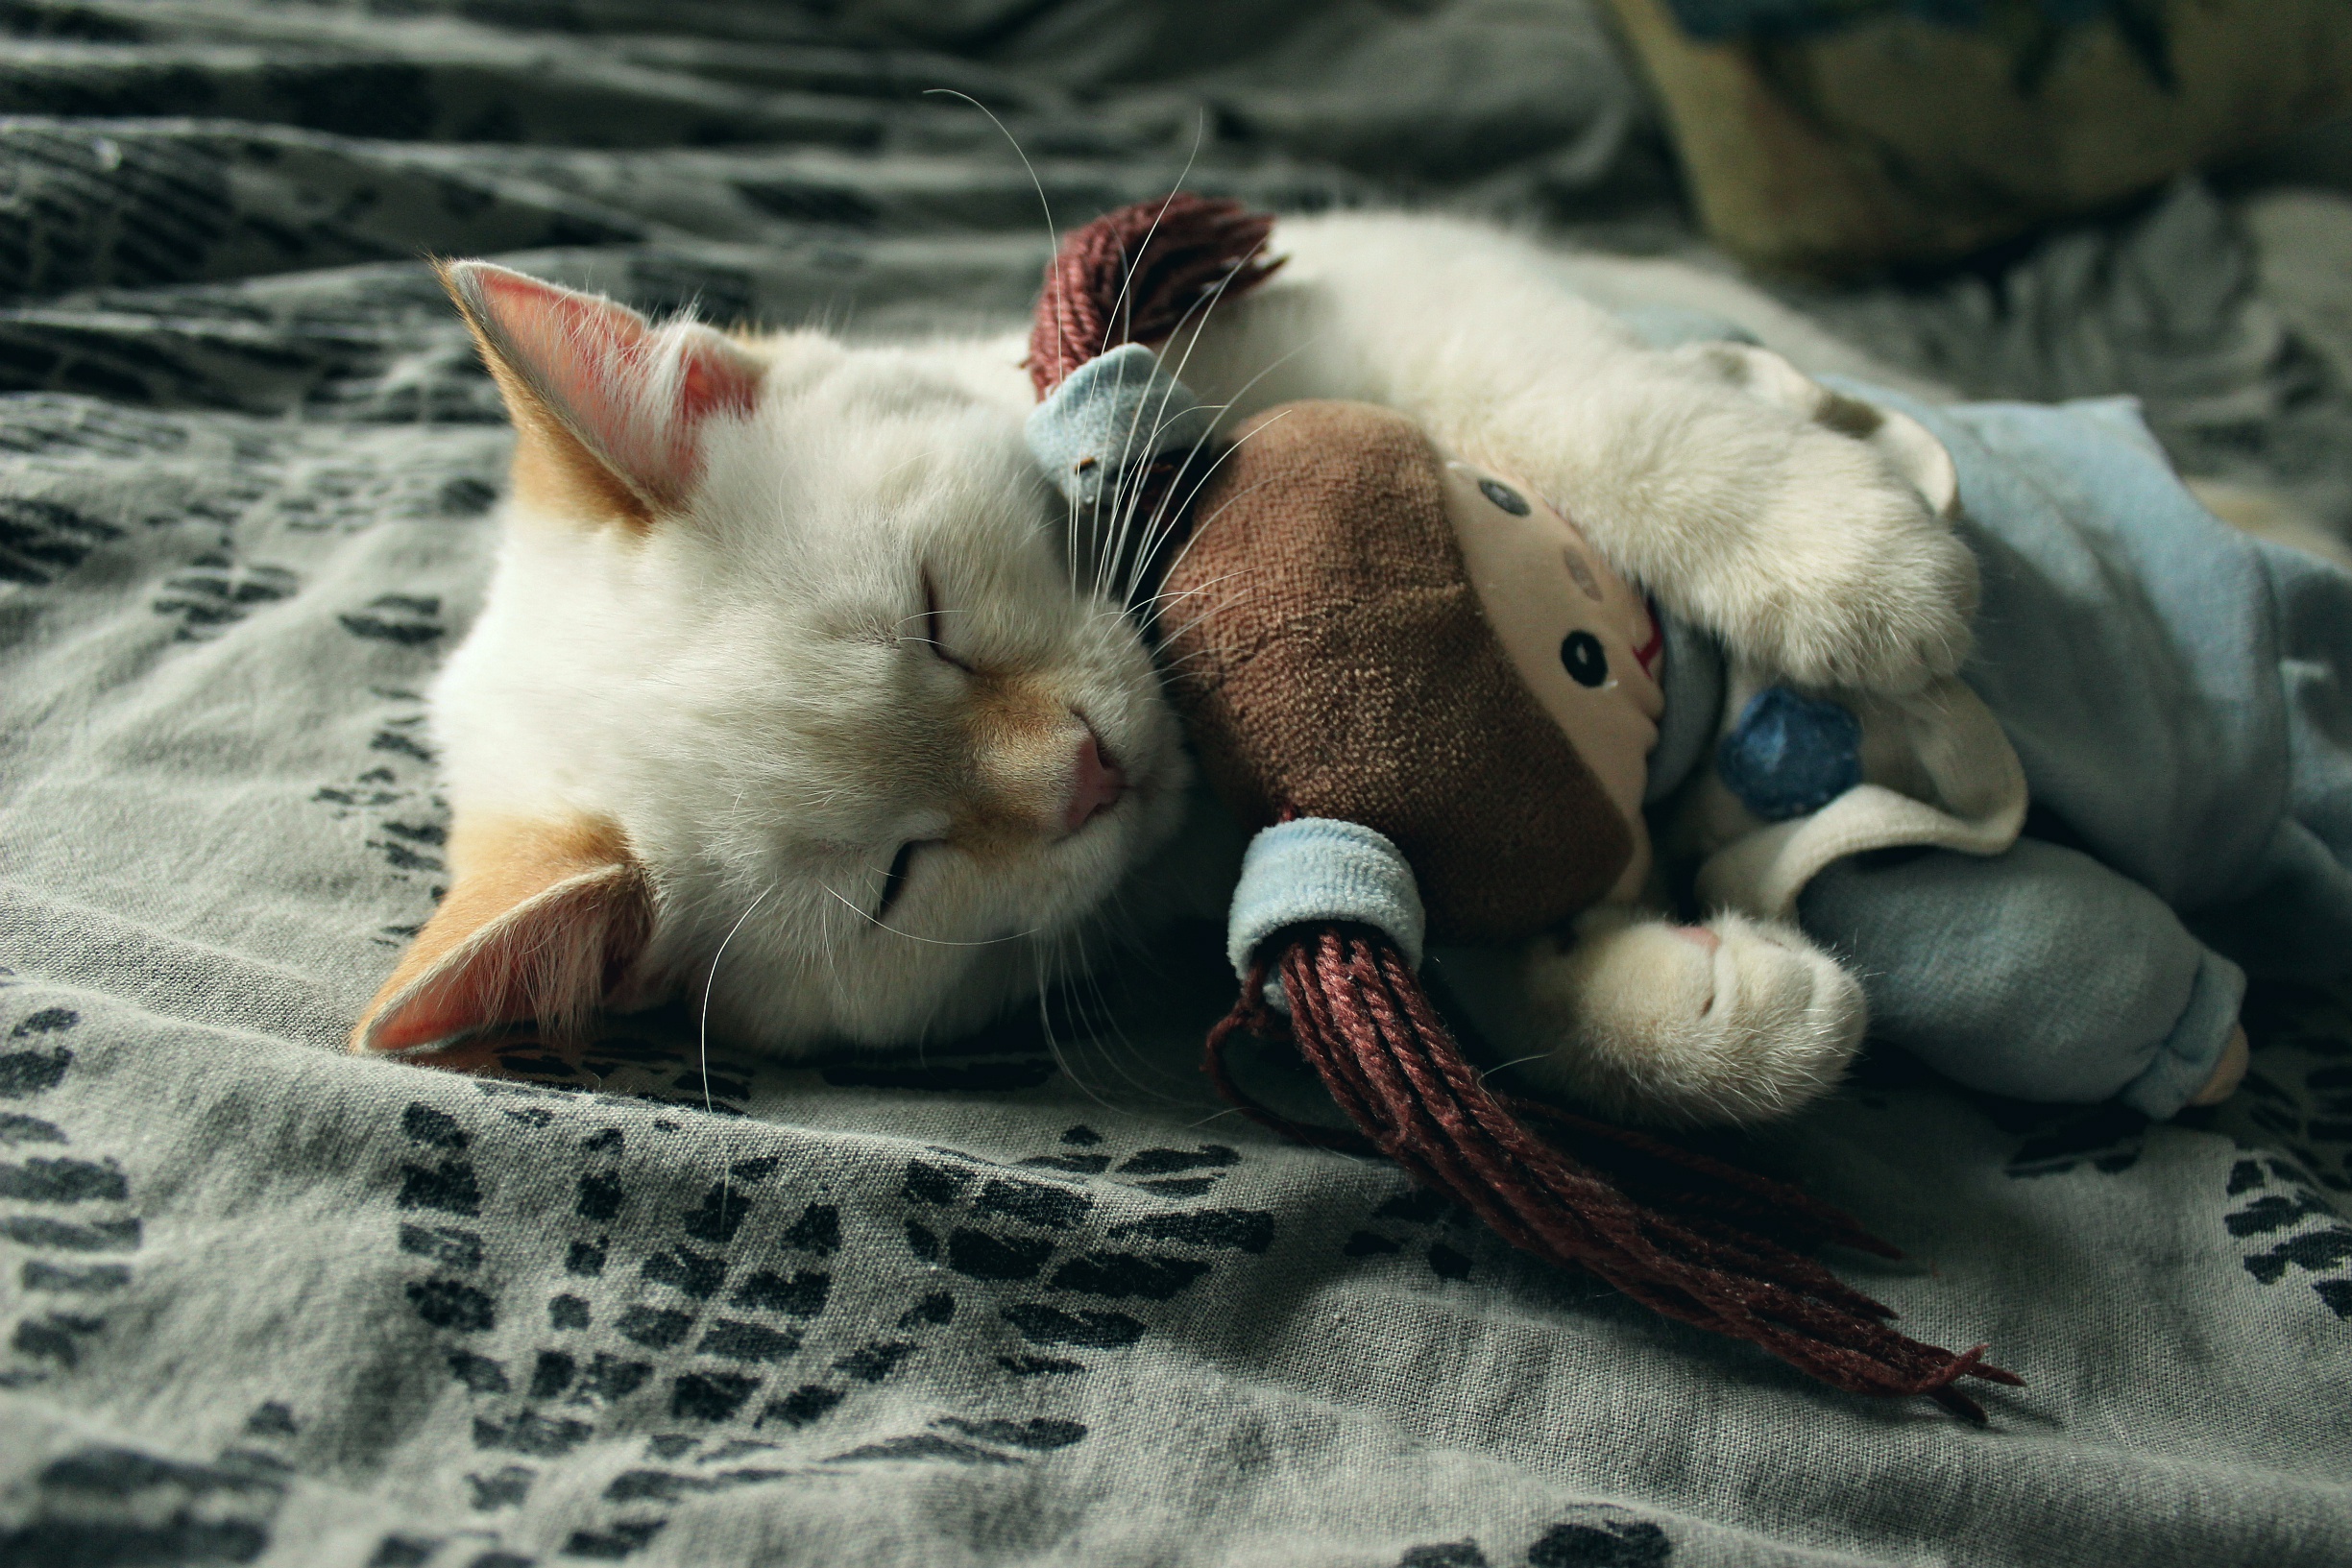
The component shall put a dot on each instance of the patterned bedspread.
(1037, 1297)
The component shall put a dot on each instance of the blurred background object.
(1836, 136)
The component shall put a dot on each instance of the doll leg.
(2039, 974)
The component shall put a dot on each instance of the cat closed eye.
(930, 626)
(895, 880)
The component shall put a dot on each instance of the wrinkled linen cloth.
(1031, 1298)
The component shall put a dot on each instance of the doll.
(1355, 687)
(1523, 748)
(1461, 730)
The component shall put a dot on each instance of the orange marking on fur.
(1020, 740)
(553, 470)
(542, 920)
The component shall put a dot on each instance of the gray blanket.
(1036, 1297)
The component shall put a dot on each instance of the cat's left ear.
(545, 922)
(609, 409)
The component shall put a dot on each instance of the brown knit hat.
(1334, 661)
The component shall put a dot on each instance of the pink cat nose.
(1096, 787)
(1707, 940)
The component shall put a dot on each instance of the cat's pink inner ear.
(543, 924)
(635, 396)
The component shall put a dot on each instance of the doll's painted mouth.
(1648, 655)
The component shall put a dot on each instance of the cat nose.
(1096, 784)
(1707, 940)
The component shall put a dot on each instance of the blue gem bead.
(1789, 755)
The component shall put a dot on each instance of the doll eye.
(1504, 496)
(1586, 660)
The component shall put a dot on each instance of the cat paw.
(1731, 1023)
(1870, 589)
(1865, 586)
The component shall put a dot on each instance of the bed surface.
(1034, 1298)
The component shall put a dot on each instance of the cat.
(786, 694)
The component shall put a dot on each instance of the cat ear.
(609, 408)
(544, 921)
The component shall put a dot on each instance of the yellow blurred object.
(1871, 138)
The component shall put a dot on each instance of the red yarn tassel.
(1691, 1237)
(1133, 275)
(1139, 275)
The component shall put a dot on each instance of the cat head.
(784, 693)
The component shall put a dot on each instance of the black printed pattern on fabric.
(2297, 1094)
(1423, 1224)
(2106, 1137)
(69, 1207)
(1600, 1538)
(69, 1213)
(2298, 1233)
(722, 1320)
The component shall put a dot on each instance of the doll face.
(1580, 636)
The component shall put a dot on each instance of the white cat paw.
(1881, 592)
(1865, 586)
(1734, 1022)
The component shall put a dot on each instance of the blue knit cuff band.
(1110, 415)
(1318, 868)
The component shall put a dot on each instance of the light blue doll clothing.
(2175, 692)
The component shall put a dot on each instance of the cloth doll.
(1436, 780)
(2047, 874)
(2186, 791)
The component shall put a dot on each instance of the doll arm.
(2038, 973)
(1771, 525)
(1734, 1022)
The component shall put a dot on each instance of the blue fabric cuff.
(2185, 1061)
(1320, 868)
(1109, 415)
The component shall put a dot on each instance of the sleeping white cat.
(784, 661)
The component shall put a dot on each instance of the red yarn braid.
(1690, 1238)
(1133, 275)
(1137, 276)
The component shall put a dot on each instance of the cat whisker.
(1091, 975)
(1205, 305)
(1185, 507)
(711, 980)
(1170, 635)
(1171, 512)
(1515, 1061)
(1200, 525)
(867, 916)
(1053, 1046)
(1164, 598)
(1123, 309)
(1053, 237)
